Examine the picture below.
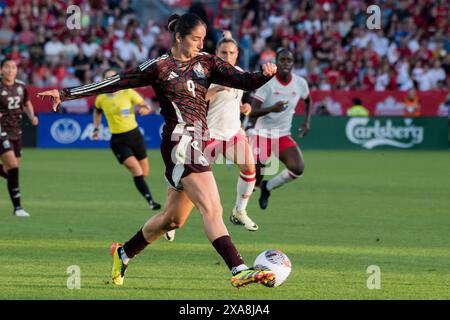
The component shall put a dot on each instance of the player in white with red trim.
(225, 107)
(274, 106)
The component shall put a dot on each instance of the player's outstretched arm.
(131, 79)
(227, 75)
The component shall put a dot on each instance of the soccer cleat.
(241, 217)
(245, 277)
(118, 268)
(170, 235)
(264, 197)
(154, 205)
(21, 213)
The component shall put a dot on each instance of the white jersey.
(278, 124)
(224, 113)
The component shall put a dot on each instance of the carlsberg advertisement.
(372, 133)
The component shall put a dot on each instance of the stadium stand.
(333, 47)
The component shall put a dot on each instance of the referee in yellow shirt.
(127, 142)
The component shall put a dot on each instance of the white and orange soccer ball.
(276, 261)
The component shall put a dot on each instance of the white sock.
(280, 179)
(238, 269)
(246, 183)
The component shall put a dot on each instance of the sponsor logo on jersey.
(172, 75)
(65, 130)
(4, 93)
(359, 131)
(198, 69)
(125, 112)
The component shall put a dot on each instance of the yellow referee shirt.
(118, 109)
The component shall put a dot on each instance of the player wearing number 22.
(13, 102)
(180, 80)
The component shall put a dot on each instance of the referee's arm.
(97, 119)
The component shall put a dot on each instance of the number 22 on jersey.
(13, 103)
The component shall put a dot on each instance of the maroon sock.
(2, 172)
(135, 245)
(228, 251)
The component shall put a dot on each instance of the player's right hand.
(279, 106)
(55, 99)
(269, 69)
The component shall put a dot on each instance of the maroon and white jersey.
(12, 101)
(180, 87)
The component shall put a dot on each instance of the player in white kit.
(274, 106)
(227, 136)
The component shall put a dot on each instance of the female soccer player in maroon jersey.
(13, 102)
(181, 79)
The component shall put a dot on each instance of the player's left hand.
(303, 131)
(144, 111)
(246, 109)
(269, 69)
(54, 96)
(35, 121)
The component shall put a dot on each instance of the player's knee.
(248, 168)
(10, 166)
(175, 224)
(297, 170)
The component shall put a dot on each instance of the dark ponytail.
(172, 22)
(183, 24)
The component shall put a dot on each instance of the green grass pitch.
(351, 210)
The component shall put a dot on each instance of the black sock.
(13, 187)
(142, 186)
(2, 172)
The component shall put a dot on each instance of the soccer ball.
(276, 261)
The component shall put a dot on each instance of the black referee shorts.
(127, 144)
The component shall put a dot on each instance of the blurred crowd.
(333, 47)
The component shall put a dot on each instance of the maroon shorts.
(182, 156)
(8, 145)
